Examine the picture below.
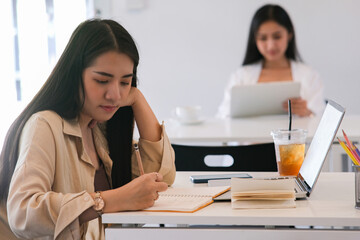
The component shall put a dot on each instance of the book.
(263, 193)
(186, 200)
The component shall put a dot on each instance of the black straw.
(290, 117)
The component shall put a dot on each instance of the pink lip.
(109, 108)
(272, 52)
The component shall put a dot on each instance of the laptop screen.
(261, 99)
(321, 143)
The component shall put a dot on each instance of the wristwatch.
(99, 203)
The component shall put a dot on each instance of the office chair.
(256, 157)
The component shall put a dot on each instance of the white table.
(330, 209)
(255, 129)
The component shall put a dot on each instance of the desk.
(330, 208)
(255, 129)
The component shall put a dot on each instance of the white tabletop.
(255, 129)
(331, 204)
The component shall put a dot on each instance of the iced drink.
(291, 158)
(290, 150)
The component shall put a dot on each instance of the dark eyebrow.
(261, 34)
(110, 75)
(128, 75)
(277, 32)
(104, 74)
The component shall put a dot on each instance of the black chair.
(248, 158)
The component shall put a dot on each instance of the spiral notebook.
(187, 200)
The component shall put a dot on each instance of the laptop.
(316, 153)
(261, 99)
(318, 149)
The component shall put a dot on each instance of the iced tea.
(291, 158)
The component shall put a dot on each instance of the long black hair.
(266, 13)
(63, 93)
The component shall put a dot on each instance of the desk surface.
(255, 129)
(331, 204)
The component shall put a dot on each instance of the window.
(35, 34)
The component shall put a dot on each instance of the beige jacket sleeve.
(156, 157)
(35, 206)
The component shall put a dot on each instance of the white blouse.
(311, 85)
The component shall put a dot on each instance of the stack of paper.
(262, 193)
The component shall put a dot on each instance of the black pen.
(138, 158)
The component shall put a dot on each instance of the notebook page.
(195, 191)
(186, 199)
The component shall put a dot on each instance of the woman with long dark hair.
(272, 56)
(69, 156)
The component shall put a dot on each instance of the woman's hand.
(298, 107)
(138, 194)
(146, 121)
(131, 98)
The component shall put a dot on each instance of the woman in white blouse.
(272, 56)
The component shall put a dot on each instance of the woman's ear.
(290, 36)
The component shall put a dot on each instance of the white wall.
(188, 48)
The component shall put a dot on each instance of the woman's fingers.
(158, 177)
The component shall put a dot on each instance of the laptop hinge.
(302, 185)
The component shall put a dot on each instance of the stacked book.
(262, 193)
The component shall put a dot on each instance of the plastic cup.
(290, 150)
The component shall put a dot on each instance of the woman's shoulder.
(249, 67)
(302, 67)
(48, 116)
(247, 73)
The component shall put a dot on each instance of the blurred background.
(188, 48)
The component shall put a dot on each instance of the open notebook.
(186, 199)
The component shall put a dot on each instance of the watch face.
(99, 204)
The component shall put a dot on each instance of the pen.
(348, 152)
(138, 158)
(351, 147)
(357, 150)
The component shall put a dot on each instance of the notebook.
(261, 99)
(262, 193)
(186, 200)
(316, 153)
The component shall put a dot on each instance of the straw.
(290, 117)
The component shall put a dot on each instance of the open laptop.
(317, 151)
(261, 99)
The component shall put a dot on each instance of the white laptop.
(261, 99)
(318, 149)
(316, 153)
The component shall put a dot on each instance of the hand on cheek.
(129, 98)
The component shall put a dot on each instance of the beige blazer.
(54, 176)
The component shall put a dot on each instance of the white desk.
(330, 209)
(250, 129)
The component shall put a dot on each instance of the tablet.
(262, 98)
(206, 178)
